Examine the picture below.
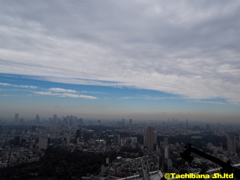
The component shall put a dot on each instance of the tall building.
(55, 118)
(150, 139)
(116, 139)
(75, 118)
(17, 140)
(231, 143)
(80, 120)
(67, 139)
(87, 135)
(130, 122)
(165, 141)
(123, 122)
(70, 122)
(37, 118)
(21, 120)
(43, 143)
(16, 117)
(79, 134)
(166, 152)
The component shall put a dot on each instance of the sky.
(139, 59)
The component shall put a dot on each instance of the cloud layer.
(62, 90)
(64, 95)
(189, 48)
(59, 92)
(18, 86)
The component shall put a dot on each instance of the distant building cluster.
(145, 148)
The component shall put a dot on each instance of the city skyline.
(134, 60)
(48, 98)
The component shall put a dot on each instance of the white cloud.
(77, 96)
(19, 86)
(189, 48)
(210, 102)
(64, 95)
(47, 93)
(62, 90)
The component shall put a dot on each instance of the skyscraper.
(55, 118)
(80, 120)
(123, 122)
(130, 122)
(43, 143)
(231, 143)
(16, 117)
(116, 139)
(87, 135)
(79, 134)
(150, 139)
(166, 152)
(37, 118)
(165, 141)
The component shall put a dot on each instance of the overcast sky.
(186, 48)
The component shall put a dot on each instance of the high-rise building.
(166, 152)
(130, 122)
(165, 141)
(75, 118)
(70, 122)
(169, 164)
(17, 140)
(80, 120)
(116, 139)
(43, 143)
(87, 135)
(37, 118)
(34, 128)
(55, 118)
(150, 139)
(231, 143)
(123, 122)
(16, 117)
(21, 120)
(67, 139)
(79, 134)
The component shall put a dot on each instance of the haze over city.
(146, 60)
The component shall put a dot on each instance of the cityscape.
(124, 149)
(119, 90)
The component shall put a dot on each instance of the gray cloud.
(190, 48)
